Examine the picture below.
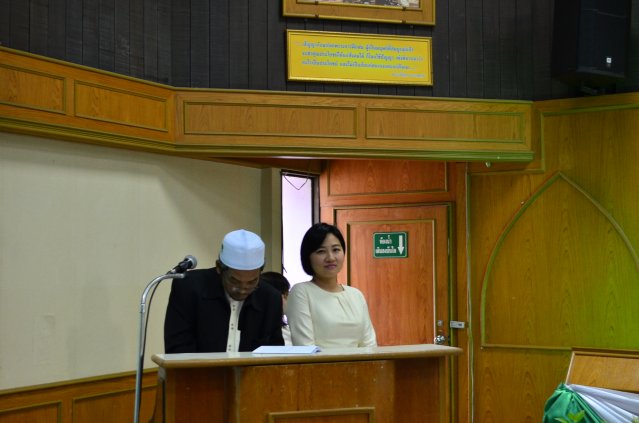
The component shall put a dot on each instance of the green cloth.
(567, 406)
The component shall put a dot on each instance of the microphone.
(189, 262)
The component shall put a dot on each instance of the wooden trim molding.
(47, 97)
(367, 415)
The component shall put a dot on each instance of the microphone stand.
(150, 288)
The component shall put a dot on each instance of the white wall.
(83, 229)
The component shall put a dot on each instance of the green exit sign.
(390, 244)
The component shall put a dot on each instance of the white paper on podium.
(287, 349)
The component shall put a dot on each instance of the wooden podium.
(405, 383)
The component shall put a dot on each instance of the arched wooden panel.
(562, 256)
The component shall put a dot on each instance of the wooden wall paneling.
(32, 89)
(508, 49)
(135, 114)
(164, 41)
(122, 42)
(220, 71)
(151, 29)
(238, 58)
(19, 10)
(458, 52)
(581, 244)
(136, 50)
(5, 22)
(91, 33)
(107, 36)
(549, 316)
(43, 413)
(491, 49)
(78, 100)
(74, 31)
(103, 399)
(276, 48)
(181, 43)
(38, 26)
(56, 34)
(474, 53)
(513, 385)
(200, 41)
(441, 51)
(258, 38)
(525, 35)
(542, 12)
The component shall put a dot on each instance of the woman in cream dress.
(322, 311)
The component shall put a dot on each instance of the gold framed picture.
(358, 58)
(410, 12)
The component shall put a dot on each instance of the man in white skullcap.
(225, 308)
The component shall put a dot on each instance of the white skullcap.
(242, 250)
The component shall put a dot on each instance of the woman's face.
(328, 259)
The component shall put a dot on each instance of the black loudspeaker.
(590, 41)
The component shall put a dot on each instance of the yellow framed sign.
(359, 58)
(410, 12)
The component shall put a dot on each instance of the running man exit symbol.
(390, 244)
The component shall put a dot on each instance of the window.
(298, 211)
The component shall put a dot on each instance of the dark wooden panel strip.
(91, 33)
(19, 11)
(122, 46)
(151, 40)
(180, 44)
(239, 42)
(164, 41)
(200, 40)
(220, 44)
(474, 55)
(38, 26)
(276, 48)
(136, 51)
(74, 31)
(525, 34)
(458, 59)
(508, 48)
(491, 50)
(541, 45)
(107, 35)
(56, 37)
(5, 22)
(257, 44)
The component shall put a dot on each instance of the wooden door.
(407, 296)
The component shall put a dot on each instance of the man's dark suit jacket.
(197, 316)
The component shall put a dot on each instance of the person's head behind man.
(240, 263)
(280, 283)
